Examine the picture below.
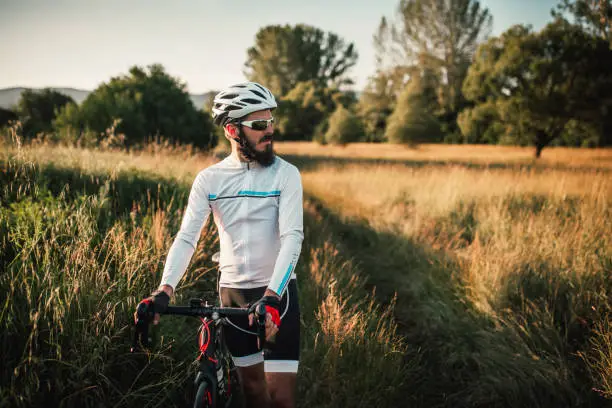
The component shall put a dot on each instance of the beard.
(249, 152)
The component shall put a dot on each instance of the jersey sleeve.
(291, 230)
(185, 242)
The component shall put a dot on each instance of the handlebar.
(196, 309)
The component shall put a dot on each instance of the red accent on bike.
(204, 346)
(275, 316)
(208, 397)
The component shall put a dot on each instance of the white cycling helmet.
(239, 100)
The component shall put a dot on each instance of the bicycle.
(217, 379)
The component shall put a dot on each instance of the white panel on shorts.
(281, 366)
(247, 361)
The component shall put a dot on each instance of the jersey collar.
(233, 159)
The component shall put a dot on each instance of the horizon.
(71, 88)
(112, 36)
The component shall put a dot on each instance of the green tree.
(442, 34)
(285, 55)
(304, 110)
(344, 127)
(594, 16)
(378, 99)
(541, 81)
(7, 116)
(379, 96)
(481, 124)
(142, 105)
(38, 109)
(413, 121)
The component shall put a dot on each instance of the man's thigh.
(240, 338)
(284, 353)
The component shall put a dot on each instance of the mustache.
(266, 138)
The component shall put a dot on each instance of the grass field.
(444, 276)
(450, 154)
(500, 265)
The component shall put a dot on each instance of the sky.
(81, 44)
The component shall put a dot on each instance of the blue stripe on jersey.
(258, 193)
(247, 193)
(285, 279)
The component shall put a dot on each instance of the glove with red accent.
(272, 304)
(148, 309)
(153, 305)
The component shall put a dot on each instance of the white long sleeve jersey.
(259, 216)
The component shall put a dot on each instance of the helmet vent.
(241, 99)
(260, 87)
(258, 93)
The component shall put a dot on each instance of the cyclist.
(255, 198)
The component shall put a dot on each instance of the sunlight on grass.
(481, 154)
(494, 278)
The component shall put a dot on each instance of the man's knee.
(282, 389)
(254, 387)
(282, 399)
(253, 380)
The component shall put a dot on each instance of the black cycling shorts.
(284, 353)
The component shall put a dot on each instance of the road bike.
(217, 383)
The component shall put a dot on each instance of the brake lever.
(260, 312)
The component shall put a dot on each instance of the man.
(256, 202)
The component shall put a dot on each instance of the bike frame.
(216, 365)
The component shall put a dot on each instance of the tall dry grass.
(83, 236)
(510, 266)
(439, 153)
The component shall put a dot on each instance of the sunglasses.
(258, 124)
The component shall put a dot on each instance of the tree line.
(439, 77)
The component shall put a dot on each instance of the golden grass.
(502, 223)
(481, 154)
(179, 163)
(83, 272)
(531, 248)
(434, 190)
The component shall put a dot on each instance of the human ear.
(231, 130)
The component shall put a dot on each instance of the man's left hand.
(272, 317)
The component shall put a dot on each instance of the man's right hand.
(158, 301)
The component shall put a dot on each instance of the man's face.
(260, 140)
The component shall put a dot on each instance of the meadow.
(499, 264)
(444, 276)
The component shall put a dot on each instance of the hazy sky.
(81, 43)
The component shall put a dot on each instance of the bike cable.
(253, 333)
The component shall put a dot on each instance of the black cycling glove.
(157, 302)
(272, 304)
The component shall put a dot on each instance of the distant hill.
(9, 97)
